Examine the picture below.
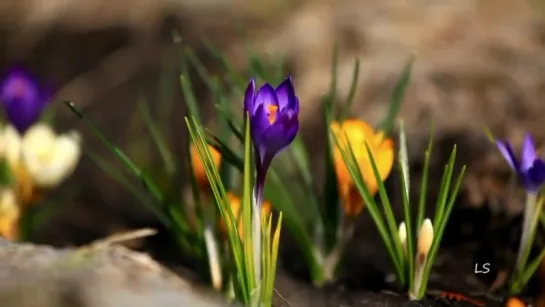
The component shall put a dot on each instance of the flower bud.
(425, 239)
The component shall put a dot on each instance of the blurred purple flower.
(22, 98)
(530, 168)
(274, 120)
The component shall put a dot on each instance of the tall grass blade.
(156, 192)
(397, 97)
(160, 142)
(347, 106)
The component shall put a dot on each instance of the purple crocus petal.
(22, 99)
(20, 86)
(23, 116)
(528, 155)
(249, 97)
(534, 177)
(286, 94)
(265, 96)
(259, 123)
(279, 135)
(507, 152)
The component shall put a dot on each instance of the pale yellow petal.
(49, 168)
(39, 140)
(12, 142)
(402, 233)
(425, 238)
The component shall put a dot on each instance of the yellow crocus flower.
(9, 214)
(358, 133)
(198, 166)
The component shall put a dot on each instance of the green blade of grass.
(272, 256)
(333, 211)
(532, 268)
(424, 183)
(405, 191)
(136, 171)
(347, 106)
(247, 211)
(397, 97)
(334, 73)
(389, 213)
(189, 97)
(236, 79)
(7, 178)
(224, 207)
(445, 188)
(234, 124)
(160, 142)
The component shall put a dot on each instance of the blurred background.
(479, 63)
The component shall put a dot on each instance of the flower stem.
(256, 232)
(213, 257)
(530, 219)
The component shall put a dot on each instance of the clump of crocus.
(530, 170)
(39, 160)
(274, 123)
(22, 98)
(424, 242)
(198, 167)
(358, 133)
(235, 204)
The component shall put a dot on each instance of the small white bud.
(425, 239)
(402, 233)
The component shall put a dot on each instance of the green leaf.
(271, 257)
(532, 268)
(189, 97)
(445, 189)
(127, 162)
(160, 142)
(405, 192)
(233, 76)
(236, 247)
(7, 179)
(387, 206)
(249, 239)
(424, 184)
(351, 93)
(397, 97)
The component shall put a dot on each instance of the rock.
(97, 276)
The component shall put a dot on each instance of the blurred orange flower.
(10, 213)
(235, 202)
(358, 133)
(198, 166)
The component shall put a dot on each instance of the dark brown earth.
(480, 62)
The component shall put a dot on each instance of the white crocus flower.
(11, 146)
(49, 158)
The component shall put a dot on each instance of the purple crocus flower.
(530, 168)
(22, 98)
(274, 120)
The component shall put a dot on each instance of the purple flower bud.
(530, 168)
(22, 98)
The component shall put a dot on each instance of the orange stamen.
(272, 113)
